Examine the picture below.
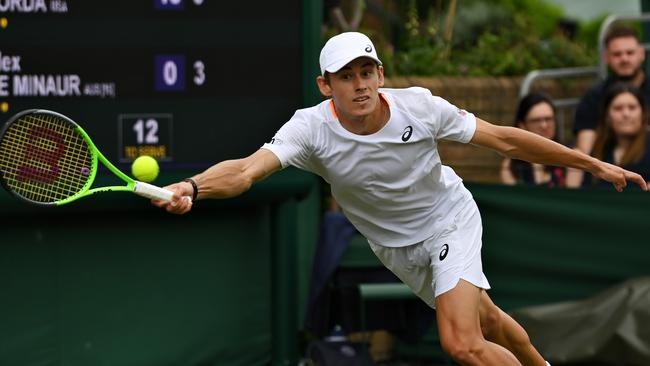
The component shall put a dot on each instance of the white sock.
(548, 364)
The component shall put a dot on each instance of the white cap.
(343, 48)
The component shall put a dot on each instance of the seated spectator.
(624, 56)
(622, 133)
(535, 113)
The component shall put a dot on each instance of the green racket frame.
(95, 156)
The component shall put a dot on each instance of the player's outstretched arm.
(520, 144)
(226, 179)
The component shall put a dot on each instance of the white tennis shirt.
(391, 185)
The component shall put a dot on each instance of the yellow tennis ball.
(145, 168)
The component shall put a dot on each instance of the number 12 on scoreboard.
(145, 134)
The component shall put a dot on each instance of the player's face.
(355, 88)
(625, 56)
(540, 120)
(625, 115)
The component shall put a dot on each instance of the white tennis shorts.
(435, 265)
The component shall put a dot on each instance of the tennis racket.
(48, 159)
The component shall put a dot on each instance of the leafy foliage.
(498, 37)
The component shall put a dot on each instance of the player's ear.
(380, 74)
(324, 86)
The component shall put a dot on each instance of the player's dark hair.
(326, 76)
(621, 32)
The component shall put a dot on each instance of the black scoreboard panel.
(190, 82)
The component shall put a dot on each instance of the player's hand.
(619, 176)
(181, 202)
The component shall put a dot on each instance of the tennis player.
(377, 148)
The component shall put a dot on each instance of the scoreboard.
(190, 82)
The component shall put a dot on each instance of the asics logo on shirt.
(443, 252)
(408, 131)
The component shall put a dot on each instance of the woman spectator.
(535, 113)
(622, 133)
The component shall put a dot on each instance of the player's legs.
(457, 312)
(500, 328)
(446, 271)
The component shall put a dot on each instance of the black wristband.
(195, 188)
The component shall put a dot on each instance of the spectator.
(622, 134)
(624, 55)
(535, 113)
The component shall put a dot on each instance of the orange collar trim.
(333, 109)
(384, 98)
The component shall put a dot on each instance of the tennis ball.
(145, 168)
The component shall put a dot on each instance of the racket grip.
(152, 192)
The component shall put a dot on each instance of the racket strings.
(43, 158)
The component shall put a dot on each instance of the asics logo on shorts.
(408, 131)
(443, 252)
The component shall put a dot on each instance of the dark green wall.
(111, 279)
(545, 245)
(645, 5)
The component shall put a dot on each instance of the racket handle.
(152, 192)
